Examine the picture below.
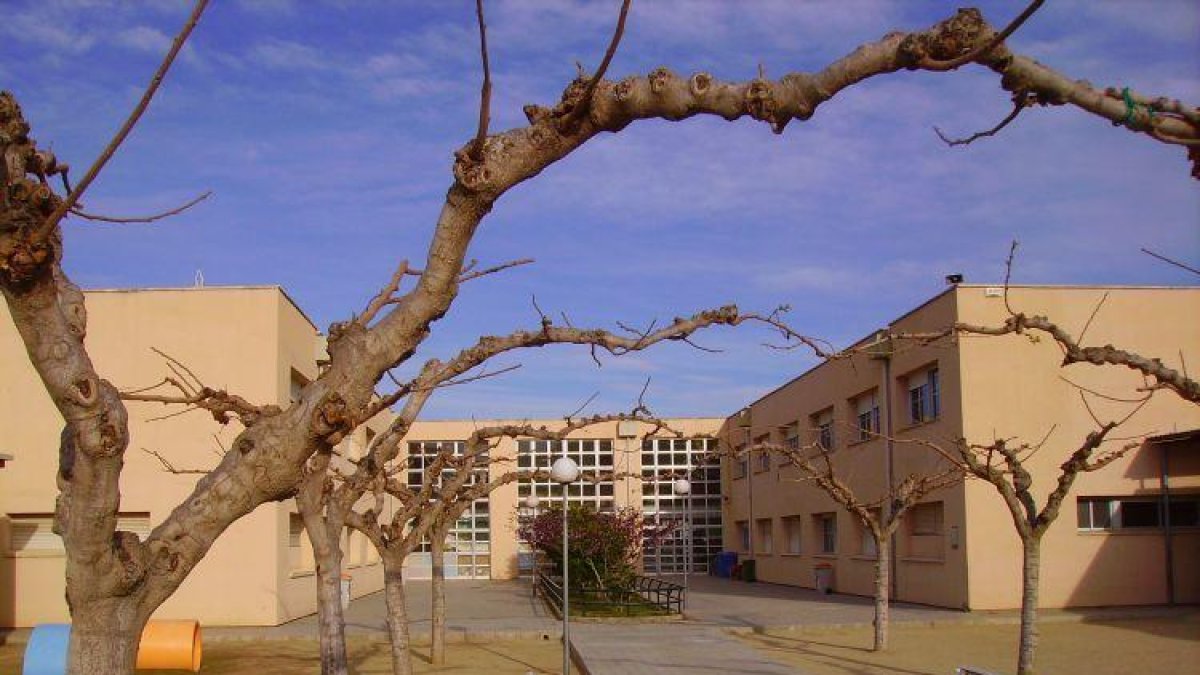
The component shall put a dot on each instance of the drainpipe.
(750, 494)
(1165, 499)
(889, 452)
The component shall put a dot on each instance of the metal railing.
(646, 592)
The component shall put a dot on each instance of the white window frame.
(866, 410)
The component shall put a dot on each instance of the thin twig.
(171, 467)
(141, 219)
(74, 196)
(1095, 311)
(582, 407)
(485, 94)
(492, 270)
(1018, 106)
(586, 101)
(1176, 263)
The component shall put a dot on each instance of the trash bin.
(749, 571)
(725, 562)
(346, 579)
(823, 578)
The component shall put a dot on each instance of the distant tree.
(455, 479)
(115, 581)
(1004, 462)
(879, 514)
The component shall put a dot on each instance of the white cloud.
(288, 55)
(144, 38)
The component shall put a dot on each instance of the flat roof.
(235, 287)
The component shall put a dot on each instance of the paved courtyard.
(705, 641)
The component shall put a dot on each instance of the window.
(823, 423)
(924, 396)
(793, 530)
(791, 436)
(661, 506)
(927, 518)
(592, 455)
(866, 410)
(924, 523)
(762, 458)
(34, 533)
(826, 528)
(762, 536)
(468, 540)
(1131, 513)
(741, 463)
(743, 533)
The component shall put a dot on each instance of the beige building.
(1128, 534)
(255, 341)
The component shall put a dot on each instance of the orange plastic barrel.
(170, 645)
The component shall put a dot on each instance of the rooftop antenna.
(199, 280)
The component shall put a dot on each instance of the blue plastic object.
(46, 653)
(725, 562)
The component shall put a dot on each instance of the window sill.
(923, 423)
(865, 558)
(825, 556)
(1134, 531)
(791, 555)
(863, 441)
(298, 574)
(759, 554)
(924, 561)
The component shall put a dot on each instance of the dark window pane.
(1139, 514)
(1185, 512)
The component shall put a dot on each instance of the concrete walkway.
(703, 642)
(476, 611)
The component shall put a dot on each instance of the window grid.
(827, 529)
(924, 397)
(468, 545)
(660, 504)
(592, 455)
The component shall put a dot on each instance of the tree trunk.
(1031, 548)
(104, 637)
(397, 615)
(883, 563)
(332, 624)
(437, 542)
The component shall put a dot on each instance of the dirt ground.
(1101, 648)
(299, 657)
(1109, 648)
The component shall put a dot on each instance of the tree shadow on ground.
(847, 664)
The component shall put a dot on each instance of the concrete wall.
(241, 339)
(991, 387)
(928, 569)
(1016, 389)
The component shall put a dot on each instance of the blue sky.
(326, 127)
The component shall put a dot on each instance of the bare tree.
(449, 485)
(114, 580)
(1003, 463)
(880, 515)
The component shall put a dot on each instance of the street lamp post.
(532, 502)
(683, 488)
(565, 471)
